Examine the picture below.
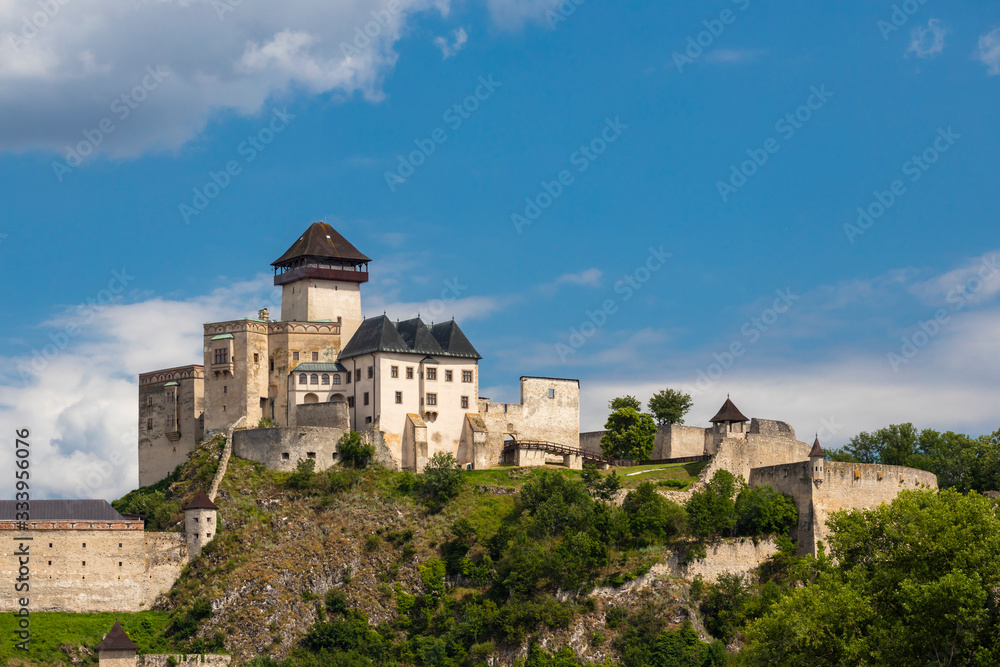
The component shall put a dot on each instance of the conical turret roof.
(117, 640)
(729, 413)
(201, 501)
(816, 451)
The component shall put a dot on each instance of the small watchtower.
(200, 522)
(816, 459)
(729, 421)
(117, 650)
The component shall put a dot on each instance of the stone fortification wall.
(672, 441)
(841, 486)
(89, 567)
(281, 448)
(756, 450)
(771, 428)
(325, 415)
(166, 554)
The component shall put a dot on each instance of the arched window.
(302, 378)
(326, 379)
(336, 378)
(313, 379)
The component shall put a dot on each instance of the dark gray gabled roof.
(451, 339)
(320, 367)
(62, 510)
(380, 334)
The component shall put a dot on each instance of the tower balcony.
(320, 273)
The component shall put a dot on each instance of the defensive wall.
(91, 566)
(672, 441)
(767, 443)
(281, 448)
(839, 486)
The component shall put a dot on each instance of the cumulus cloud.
(989, 51)
(927, 42)
(62, 71)
(729, 56)
(588, 278)
(513, 14)
(458, 40)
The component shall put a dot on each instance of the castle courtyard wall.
(281, 448)
(165, 557)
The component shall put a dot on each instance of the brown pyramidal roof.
(201, 501)
(117, 640)
(816, 450)
(729, 413)
(321, 240)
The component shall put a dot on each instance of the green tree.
(914, 583)
(626, 401)
(712, 510)
(442, 477)
(669, 406)
(303, 476)
(630, 435)
(764, 511)
(653, 518)
(354, 451)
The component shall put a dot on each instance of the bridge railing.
(556, 448)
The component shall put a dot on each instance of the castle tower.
(729, 421)
(320, 278)
(117, 650)
(200, 522)
(816, 459)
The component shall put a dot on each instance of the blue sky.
(824, 106)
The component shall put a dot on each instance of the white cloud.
(61, 74)
(588, 278)
(513, 14)
(989, 51)
(458, 40)
(927, 42)
(732, 55)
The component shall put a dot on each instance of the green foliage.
(432, 574)
(267, 422)
(627, 401)
(731, 602)
(668, 406)
(335, 601)
(764, 511)
(354, 451)
(52, 630)
(646, 642)
(914, 584)
(630, 435)
(184, 622)
(304, 475)
(712, 510)
(653, 518)
(152, 503)
(727, 507)
(350, 633)
(442, 477)
(600, 486)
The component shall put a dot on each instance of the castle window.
(409, 372)
(326, 378)
(465, 402)
(295, 356)
(284, 456)
(225, 389)
(368, 420)
(149, 424)
(84, 545)
(222, 355)
(336, 378)
(310, 455)
(552, 393)
(50, 562)
(348, 377)
(432, 374)
(195, 519)
(371, 372)
(256, 358)
(84, 563)
(447, 376)
(149, 401)
(350, 401)
(466, 376)
(394, 371)
(50, 545)
(315, 356)
(399, 397)
(119, 545)
(366, 398)
(208, 535)
(271, 364)
(432, 399)
(119, 563)
(208, 519)
(314, 379)
(357, 375)
(302, 378)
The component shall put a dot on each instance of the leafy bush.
(335, 601)
(712, 510)
(630, 435)
(653, 518)
(303, 476)
(442, 477)
(764, 511)
(354, 451)
(267, 422)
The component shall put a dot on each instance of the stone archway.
(310, 398)
(337, 398)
